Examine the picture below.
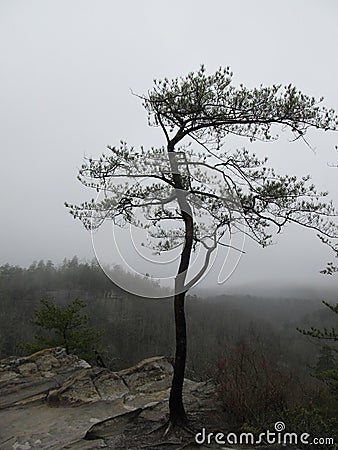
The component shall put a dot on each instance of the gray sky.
(67, 68)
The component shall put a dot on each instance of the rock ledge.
(51, 400)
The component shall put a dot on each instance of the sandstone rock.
(149, 375)
(90, 385)
(46, 363)
(113, 426)
(109, 385)
(27, 369)
(79, 389)
(51, 400)
(25, 378)
(7, 376)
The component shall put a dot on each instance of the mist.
(68, 73)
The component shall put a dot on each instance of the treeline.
(17, 282)
(135, 328)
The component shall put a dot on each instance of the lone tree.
(214, 192)
(66, 326)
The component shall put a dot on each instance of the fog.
(67, 72)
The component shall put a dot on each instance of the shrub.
(250, 388)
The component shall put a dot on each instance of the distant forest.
(136, 328)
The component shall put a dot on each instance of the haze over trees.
(250, 335)
(206, 191)
(137, 328)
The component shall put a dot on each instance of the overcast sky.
(67, 70)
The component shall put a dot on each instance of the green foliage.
(326, 359)
(327, 366)
(210, 107)
(325, 334)
(246, 428)
(331, 268)
(330, 377)
(311, 420)
(66, 327)
(326, 370)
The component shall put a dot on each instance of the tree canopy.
(209, 107)
(226, 191)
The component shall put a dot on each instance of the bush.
(256, 394)
(251, 389)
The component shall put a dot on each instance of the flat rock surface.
(50, 400)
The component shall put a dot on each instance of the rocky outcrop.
(51, 400)
(28, 379)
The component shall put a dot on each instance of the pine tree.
(66, 326)
(208, 193)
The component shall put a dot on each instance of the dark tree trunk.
(177, 414)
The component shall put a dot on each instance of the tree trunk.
(177, 415)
